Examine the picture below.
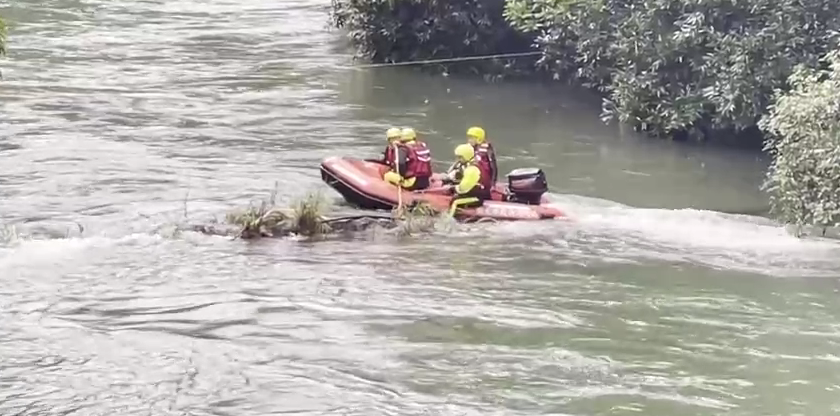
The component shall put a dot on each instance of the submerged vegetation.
(267, 220)
(307, 217)
(681, 69)
(3, 34)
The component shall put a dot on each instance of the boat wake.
(610, 231)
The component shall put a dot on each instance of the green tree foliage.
(414, 30)
(680, 66)
(803, 129)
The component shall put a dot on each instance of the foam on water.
(609, 230)
(50, 252)
(599, 230)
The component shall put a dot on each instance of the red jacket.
(418, 160)
(390, 156)
(486, 181)
(486, 157)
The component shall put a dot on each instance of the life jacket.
(390, 157)
(486, 181)
(418, 161)
(487, 157)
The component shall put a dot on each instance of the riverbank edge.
(405, 31)
(466, 38)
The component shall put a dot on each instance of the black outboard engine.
(526, 185)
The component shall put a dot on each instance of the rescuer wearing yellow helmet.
(413, 167)
(473, 186)
(408, 135)
(392, 137)
(486, 155)
(393, 134)
(475, 135)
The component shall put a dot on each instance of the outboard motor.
(526, 185)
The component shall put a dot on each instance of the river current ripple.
(114, 114)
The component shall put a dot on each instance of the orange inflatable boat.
(360, 183)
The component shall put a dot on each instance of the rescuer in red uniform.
(414, 163)
(485, 155)
(392, 136)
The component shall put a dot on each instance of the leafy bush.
(415, 30)
(803, 129)
(679, 66)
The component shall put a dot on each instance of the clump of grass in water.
(257, 221)
(266, 220)
(308, 218)
(418, 218)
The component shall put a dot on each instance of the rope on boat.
(445, 60)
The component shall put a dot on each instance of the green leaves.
(803, 130)
(671, 66)
(416, 30)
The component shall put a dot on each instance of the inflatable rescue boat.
(360, 183)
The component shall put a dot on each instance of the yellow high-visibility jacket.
(470, 177)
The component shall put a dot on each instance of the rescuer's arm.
(469, 181)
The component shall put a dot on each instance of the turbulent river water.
(113, 113)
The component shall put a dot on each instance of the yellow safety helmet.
(477, 133)
(393, 134)
(408, 134)
(465, 152)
